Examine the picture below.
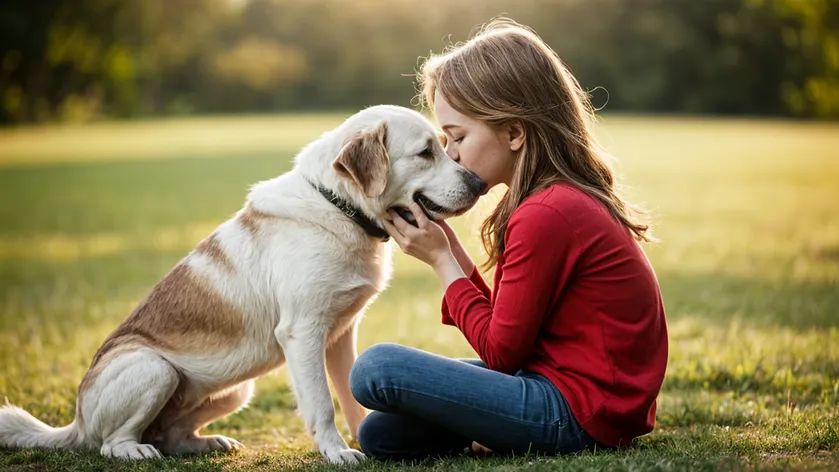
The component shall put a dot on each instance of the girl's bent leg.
(518, 414)
(403, 436)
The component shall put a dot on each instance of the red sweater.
(574, 300)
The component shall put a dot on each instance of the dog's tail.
(19, 429)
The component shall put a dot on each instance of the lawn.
(747, 213)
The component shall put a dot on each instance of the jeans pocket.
(554, 401)
(571, 438)
(560, 410)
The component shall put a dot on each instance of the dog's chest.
(357, 280)
(346, 309)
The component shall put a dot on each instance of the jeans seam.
(525, 422)
(550, 404)
(552, 413)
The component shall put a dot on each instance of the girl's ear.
(516, 132)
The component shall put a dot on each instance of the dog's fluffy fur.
(283, 281)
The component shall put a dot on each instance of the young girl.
(572, 336)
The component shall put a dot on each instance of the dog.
(284, 281)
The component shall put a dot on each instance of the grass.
(747, 213)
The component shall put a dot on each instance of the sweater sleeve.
(538, 260)
(479, 282)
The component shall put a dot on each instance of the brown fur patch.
(179, 315)
(365, 160)
(211, 248)
(252, 219)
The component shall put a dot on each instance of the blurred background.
(86, 59)
(131, 129)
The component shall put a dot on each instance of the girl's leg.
(403, 436)
(509, 414)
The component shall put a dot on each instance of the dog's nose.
(475, 184)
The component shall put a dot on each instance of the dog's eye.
(426, 153)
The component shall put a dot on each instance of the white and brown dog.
(284, 281)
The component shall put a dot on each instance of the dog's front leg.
(304, 349)
(340, 356)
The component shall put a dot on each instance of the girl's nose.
(452, 153)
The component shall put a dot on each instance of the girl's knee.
(383, 352)
(371, 367)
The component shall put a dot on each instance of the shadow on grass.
(718, 298)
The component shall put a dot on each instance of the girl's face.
(488, 152)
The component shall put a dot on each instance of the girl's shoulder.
(565, 199)
(563, 208)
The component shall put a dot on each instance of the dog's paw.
(131, 451)
(205, 444)
(343, 456)
(334, 449)
(221, 443)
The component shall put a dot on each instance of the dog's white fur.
(284, 281)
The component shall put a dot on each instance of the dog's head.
(392, 156)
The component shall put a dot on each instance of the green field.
(747, 213)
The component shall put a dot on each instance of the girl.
(572, 335)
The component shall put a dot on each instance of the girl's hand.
(427, 241)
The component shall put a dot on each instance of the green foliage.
(811, 34)
(80, 59)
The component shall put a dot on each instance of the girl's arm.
(466, 264)
(463, 259)
(538, 260)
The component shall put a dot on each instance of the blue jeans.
(429, 405)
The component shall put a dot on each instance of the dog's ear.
(365, 160)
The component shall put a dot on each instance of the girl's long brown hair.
(507, 74)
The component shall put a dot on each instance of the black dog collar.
(368, 225)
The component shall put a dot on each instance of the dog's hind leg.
(181, 437)
(124, 398)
